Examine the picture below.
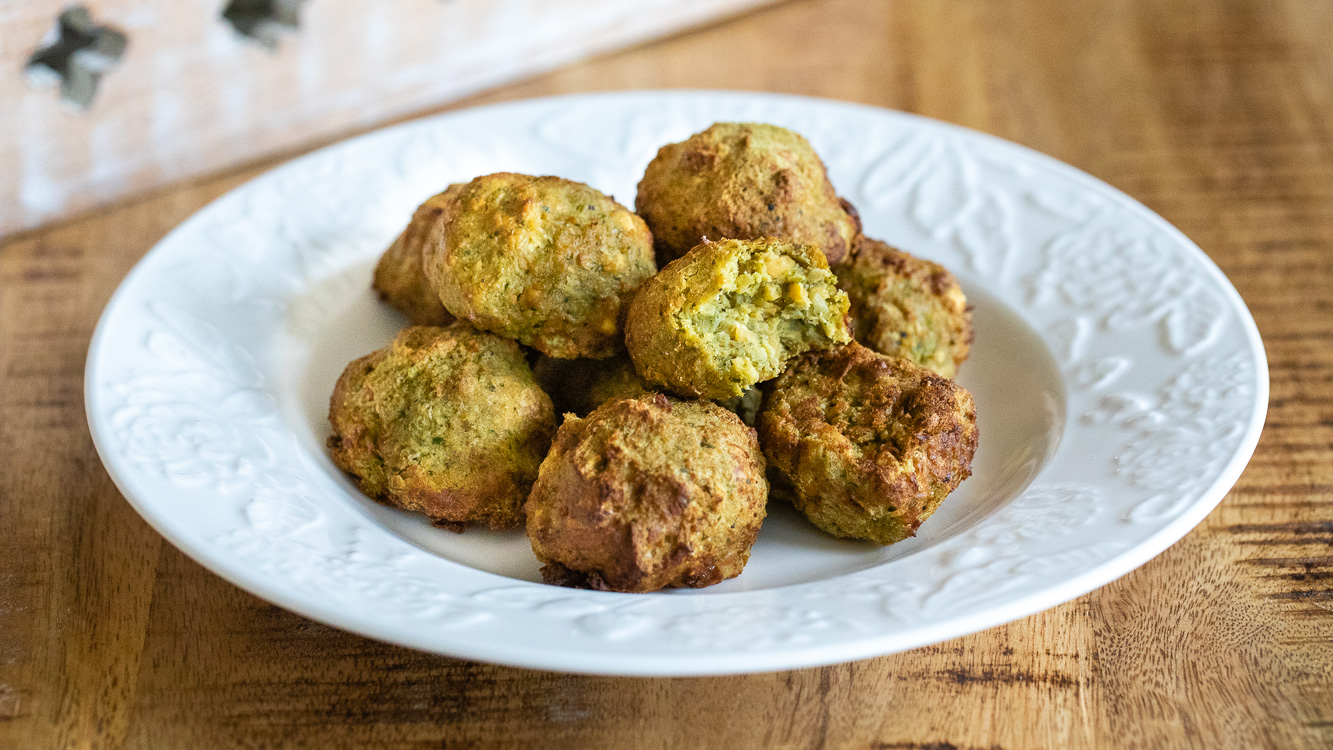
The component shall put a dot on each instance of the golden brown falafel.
(646, 493)
(907, 307)
(871, 445)
(729, 314)
(400, 279)
(743, 181)
(542, 260)
(581, 385)
(446, 421)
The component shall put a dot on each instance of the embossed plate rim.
(806, 644)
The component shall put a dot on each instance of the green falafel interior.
(728, 315)
(774, 308)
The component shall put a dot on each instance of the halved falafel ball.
(646, 493)
(445, 421)
(906, 307)
(743, 181)
(400, 279)
(729, 314)
(545, 261)
(870, 445)
(581, 385)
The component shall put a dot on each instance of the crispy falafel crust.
(646, 493)
(729, 314)
(446, 421)
(871, 445)
(548, 262)
(907, 307)
(400, 279)
(743, 181)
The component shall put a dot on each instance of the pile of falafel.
(738, 334)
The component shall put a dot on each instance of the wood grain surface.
(1219, 115)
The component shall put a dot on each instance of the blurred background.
(106, 98)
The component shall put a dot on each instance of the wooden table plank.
(1219, 115)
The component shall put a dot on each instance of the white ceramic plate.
(1120, 385)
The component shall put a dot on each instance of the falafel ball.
(581, 385)
(446, 421)
(871, 445)
(730, 314)
(646, 493)
(545, 261)
(400, 279)
(743, 181)
(906, 307)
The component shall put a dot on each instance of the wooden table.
(1219, 115)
